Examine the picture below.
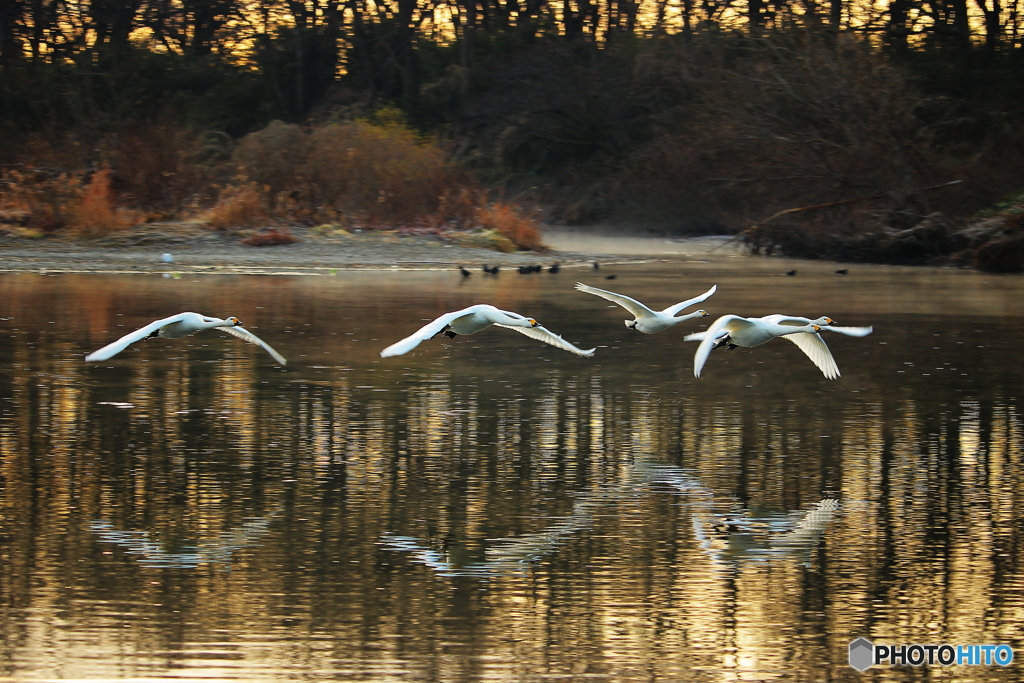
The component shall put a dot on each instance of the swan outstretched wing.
(672, 310)
(248, 336)
(631, 305)
(545, 335)
(718, 329)
(116, 347)
(428, 331)
(816, 349)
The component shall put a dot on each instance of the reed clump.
(240, 205)
(94, 213)
(512, 223)
(82, 203)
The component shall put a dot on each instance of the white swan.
(811, 344)
(734, 330)
(182, 325)
(648, 321)
(475, 318)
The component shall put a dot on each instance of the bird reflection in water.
(151, 552)
(736, 535)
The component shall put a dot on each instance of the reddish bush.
(510, 221)
(270, 238)
(95, 214)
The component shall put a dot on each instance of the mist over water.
(494, 509)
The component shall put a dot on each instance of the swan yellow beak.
(703, 313)
(533, 323)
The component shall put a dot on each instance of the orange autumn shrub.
(510, 221)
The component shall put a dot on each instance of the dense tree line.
(391, 49)
(601, 99)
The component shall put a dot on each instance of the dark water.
(493, 509)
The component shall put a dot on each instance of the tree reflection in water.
(204, 511)
(733, 536)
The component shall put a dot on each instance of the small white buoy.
(167, 258)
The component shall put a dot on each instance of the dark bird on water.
(842, 271)
(554, 268)
(491, 271)
(597, 266)
(610, 277)
(465, 273)
(791, 273)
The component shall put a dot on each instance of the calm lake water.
(494, 509)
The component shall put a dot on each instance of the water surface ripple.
(494, 509)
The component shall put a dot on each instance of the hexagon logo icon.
(862, 654)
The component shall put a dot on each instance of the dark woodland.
(849, 130)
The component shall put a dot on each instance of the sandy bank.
(201, 251)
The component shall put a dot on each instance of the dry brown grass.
(359, 174)
(39, 199)
(270, 238)
(513, 223)
(53, 201)
(95, 213)
(239, 206)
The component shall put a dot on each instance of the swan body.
(479, 317)
(824, 322)
(811, 344)
(734, 330)
(647, 320)
(182, 325)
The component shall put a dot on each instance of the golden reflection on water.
(487, 509)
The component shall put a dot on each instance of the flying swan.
(648, 321)
(182, 325)
(733, 330)
(475, 318)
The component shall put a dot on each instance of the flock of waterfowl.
(728, 331)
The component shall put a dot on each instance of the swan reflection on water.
(727, 537)
(151, 552)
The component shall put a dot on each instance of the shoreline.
(203, 251)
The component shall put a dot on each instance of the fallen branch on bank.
(840, 203)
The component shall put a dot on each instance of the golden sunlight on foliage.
(509, 221)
